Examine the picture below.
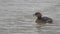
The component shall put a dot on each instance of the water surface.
(16, 16)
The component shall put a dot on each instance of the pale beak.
(33, 15)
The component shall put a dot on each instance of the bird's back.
(46, 19)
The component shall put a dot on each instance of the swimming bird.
(42, 20)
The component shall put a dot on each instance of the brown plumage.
(41, 19)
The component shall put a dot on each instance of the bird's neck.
(39, 17)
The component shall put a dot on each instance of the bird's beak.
(33, 15)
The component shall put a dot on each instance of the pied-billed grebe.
(41, 19)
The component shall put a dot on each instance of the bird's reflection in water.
(38, 27)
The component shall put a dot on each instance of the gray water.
(16, 16)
